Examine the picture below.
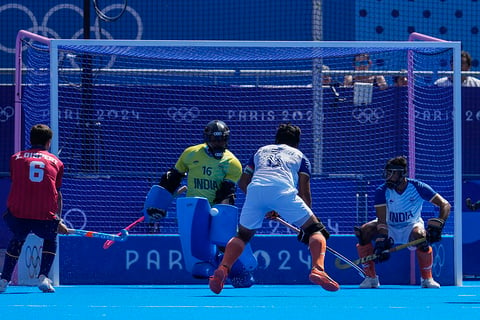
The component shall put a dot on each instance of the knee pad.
(304, 235)
(245, 236)
(15, 247)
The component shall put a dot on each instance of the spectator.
(362, 62)
(401, 79)
(326, 78)
(467, 81)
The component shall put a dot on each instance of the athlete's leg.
(47, 230)
(317, 244)
(233, 250)
(20, 230)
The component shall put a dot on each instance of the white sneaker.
(370, 283)
(3, 285)
(45, 284)
(430, 283)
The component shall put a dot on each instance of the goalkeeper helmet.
(216, 135)
(394, 165)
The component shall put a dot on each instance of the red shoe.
(217, 281)
(323, 279)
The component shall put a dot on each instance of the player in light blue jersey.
(277, 178)
(398, 206)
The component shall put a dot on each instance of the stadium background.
(249, 20)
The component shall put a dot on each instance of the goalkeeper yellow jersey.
(205, 173)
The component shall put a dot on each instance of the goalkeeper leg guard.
(223, 225)
(425, 262)
(156, 204)
(369, 266)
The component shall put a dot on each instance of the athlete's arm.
(304, 191)
(381, 212)
(59, 203)
(381, 82)
(247, 175)
(244, 181)
(435, 225)
(444, 206)
(62, 228)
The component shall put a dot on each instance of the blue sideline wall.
(157, 259)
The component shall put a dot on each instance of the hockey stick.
(335, 253)
(93, 234)
(472, 206)
(372, 257)
(109, 243)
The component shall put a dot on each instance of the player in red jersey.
(34, 204)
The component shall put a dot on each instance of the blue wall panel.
(282, 260)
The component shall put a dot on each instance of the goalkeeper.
(212, 172)
(398, 206)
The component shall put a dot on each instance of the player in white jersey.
(398, 206)
(277, 178)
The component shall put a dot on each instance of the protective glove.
(382, 243)
(156, 214)
(434, 229)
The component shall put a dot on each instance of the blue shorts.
(45, 229)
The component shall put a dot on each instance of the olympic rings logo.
(438, 259)
(45, 30)
(368, 115)
(6, 113)
(183, 113)
(32, 260)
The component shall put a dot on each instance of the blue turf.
(258, 302)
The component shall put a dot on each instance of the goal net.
(123, 111)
